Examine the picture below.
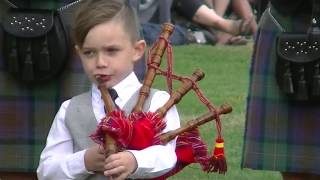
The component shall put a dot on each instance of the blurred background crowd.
(226, 22)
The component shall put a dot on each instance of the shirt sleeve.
(57, 160)
(156, 160)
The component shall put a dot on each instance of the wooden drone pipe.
(194, 123)
(110, 143)
(175, 98)
(156, 56)
(107, 100)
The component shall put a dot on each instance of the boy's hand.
(120, 165)
(94, 159)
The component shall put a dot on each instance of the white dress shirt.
(58, 161)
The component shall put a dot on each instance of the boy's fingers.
(115, 172)
(121, 176)
(111, 163)
(100, 167)
(112, 158)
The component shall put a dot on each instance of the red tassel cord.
(219, 161)
(216, 163)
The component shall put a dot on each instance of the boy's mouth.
(103, 78)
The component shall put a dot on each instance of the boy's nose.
(102, 61)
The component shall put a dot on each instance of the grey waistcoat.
(81, 122)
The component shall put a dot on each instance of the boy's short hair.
(95, 12)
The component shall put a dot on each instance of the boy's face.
(108, 55)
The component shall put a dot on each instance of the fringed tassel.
(219, 160)
(316, 81)
(146, 127)
(13, 62)
(287, 80)
(28, 74)
(44, 63)
(302, 92)
(117, 126)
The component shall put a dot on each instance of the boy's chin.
(104, 84)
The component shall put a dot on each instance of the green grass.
(226, 81)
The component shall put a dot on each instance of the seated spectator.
(197, 12)
(152, 14)
(240, 8)
(235, 9)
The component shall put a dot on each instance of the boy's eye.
(112, 50)
(88, 54)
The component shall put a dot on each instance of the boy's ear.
(77, 48)
(139, 49)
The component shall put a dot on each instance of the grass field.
(226, 81)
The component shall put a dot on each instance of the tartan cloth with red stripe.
(279, 136)
(26, 114)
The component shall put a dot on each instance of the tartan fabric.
(278, 136)
(26, 113)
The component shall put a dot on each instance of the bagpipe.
(139, 129)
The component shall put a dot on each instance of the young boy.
(106, 35)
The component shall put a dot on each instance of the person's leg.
(209, 18)
(197, 12)
(229, 39)
(220, 6)
(243, 9)
(299, 176)
(209, 3)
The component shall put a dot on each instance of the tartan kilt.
(279, 135)
(27, 112)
